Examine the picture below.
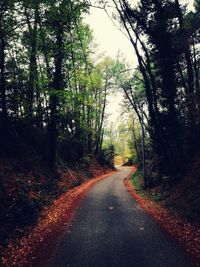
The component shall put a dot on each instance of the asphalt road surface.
(110, 229)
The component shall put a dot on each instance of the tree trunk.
(99, 132)
(190, 75)
(135, 142)
(54, 100)
(2, 75)
(143, 152)
(33, 72)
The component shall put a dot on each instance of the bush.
(106, 156)
(71, 150)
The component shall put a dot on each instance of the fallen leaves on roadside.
(35, 248)
(185, 233)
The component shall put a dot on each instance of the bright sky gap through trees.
(110, 41)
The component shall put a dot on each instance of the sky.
(108, 37)
(110, 40)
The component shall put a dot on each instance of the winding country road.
(110, 229)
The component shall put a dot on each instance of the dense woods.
(50, 88)
(164, 90)
(54, 94)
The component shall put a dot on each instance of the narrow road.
(110, 229)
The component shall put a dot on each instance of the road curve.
(110, 229)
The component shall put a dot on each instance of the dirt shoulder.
(35, 248)
(185, 233)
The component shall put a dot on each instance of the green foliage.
(106, 156)
(137, 181)
(51, 84)
(133, 159)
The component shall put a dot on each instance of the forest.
(54, 95)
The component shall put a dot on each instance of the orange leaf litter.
(36, 248)
(186, 234)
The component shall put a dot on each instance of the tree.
(165, 38)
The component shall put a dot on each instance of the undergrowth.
(182, 199)
(137, 181)
(28, 187)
